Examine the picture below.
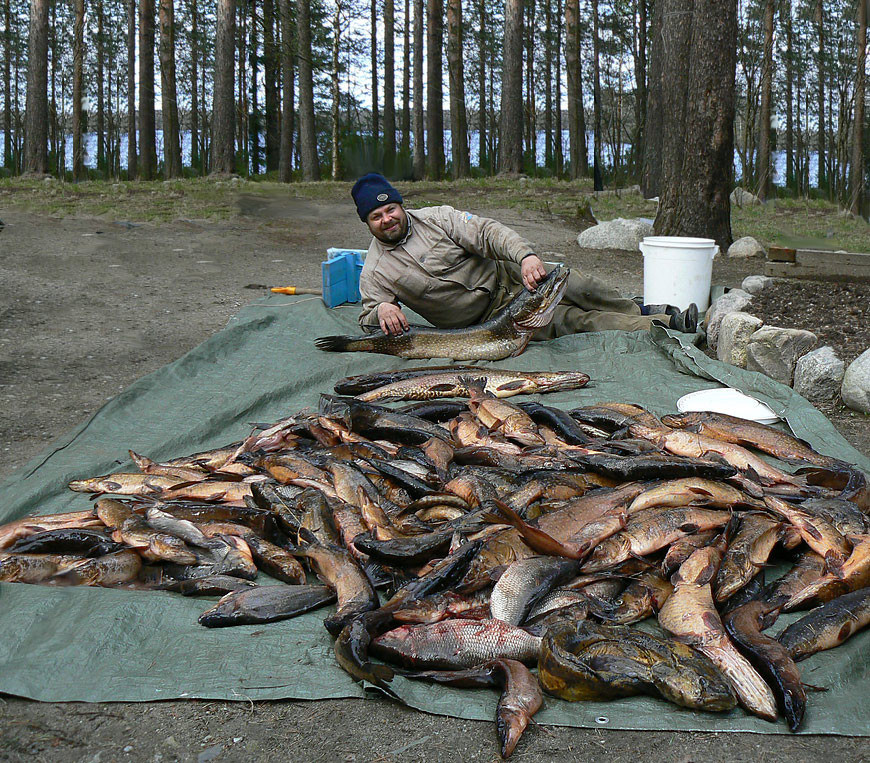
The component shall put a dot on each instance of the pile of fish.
(469, 541)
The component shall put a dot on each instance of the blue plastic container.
(341, 275)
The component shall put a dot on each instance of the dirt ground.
(89, 305)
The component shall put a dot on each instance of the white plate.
(729, 401)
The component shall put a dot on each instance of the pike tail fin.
(343, 344)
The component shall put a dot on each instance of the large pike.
(505, 335)
(496, 381)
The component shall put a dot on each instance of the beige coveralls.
(456, 269)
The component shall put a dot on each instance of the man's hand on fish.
(392, 319)
(533, 271)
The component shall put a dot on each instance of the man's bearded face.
(388, 223)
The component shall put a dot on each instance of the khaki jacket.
(446, 269)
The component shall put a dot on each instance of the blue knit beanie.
(372, 191)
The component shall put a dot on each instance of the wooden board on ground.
(817, 264)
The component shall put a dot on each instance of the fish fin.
(474, 382)
(335, 343)
(512, 385)
(535, 539)
(445, 387)
(810, 687)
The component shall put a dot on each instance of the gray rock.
(735, 331)
(746, 247)
(615, 234)
(774, 351)
(733, 301)
(742, 197)
(818, 375)
(856, 384)
(755, 284)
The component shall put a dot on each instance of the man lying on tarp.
(456, 270)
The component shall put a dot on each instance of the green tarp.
(63, 644)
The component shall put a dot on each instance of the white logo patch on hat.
(383, 196)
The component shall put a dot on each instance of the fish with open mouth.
(505, 335)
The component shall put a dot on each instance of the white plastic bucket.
(677, 270)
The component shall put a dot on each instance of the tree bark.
(651, 170)
(405, 146)
(698, 157)
(254, 122)
(376, 72)
(147, 127)
(78, 56)
(458, 121)
(548, 83)
(597, 169)
(270, 87)
(856, 184)
(763, 162)
(511, 114)
(576, 121)
(36, 110)
(307, 127)
(223, 142)
(557, 122)
(434, 90)
(482, 125)
(419, 137)
(132, 157)
(101, 91)
(820, 64)
(193, 40)
(640, 73)
(789, 95)
(531, 136)
(8, 158)
(336, 93)
(285, 163)
(389, 86)
(168, 96)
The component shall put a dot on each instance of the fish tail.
(344, 344)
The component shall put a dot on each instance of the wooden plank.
(814, 272)
(841, 261)
(780, 254)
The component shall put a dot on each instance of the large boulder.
(742, 198)
(735, 331)
(616, 234)
(855, 390)
(818, 375)
(732, 302)
(755, 284)
(775, 351)
(746, 247)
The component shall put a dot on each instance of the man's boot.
(686, 321)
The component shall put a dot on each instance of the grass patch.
(787, 222)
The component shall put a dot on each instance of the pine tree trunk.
(270, 87)
(101, 107)
(510, 126)
(147, 128)
(576, 121)
(223, 154)
(558, 157)
(36, 110)
(597, 169)
(376, 71)
(285, 164)
(640, 74)
(8, 159)
(307, 128)
(389, 87)
(336, 93)
(419, 137)
(405, 146)
(763, 163)
(856, 183)
(168, 97)
(434, 103)
(548, 81)
(699, 106)
(458, 121)
(789, 95)
(254, 121)
(242, 108)
(132, 157)
(194, 80)
(78, 94)
(483, 158)
(820, 64)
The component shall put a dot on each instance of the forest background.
(310, 89)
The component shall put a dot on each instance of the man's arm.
(380, 308)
